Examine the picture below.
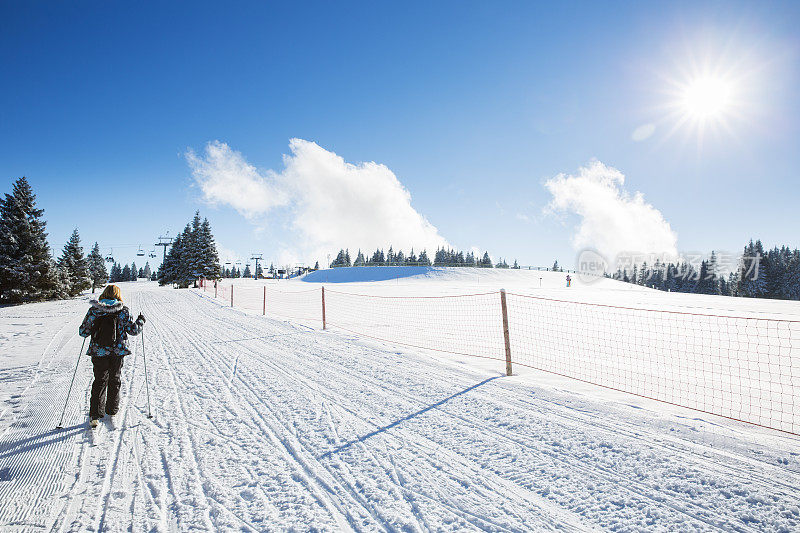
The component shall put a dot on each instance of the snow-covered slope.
(268, 425)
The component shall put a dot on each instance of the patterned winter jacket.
(125, 326)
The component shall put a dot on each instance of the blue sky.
(473, 106)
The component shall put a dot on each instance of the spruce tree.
(423, 258)
(75, 265)
(126, 273)
(27, 270)
(147, 273)
(97, 268)
(247, 273)
(208, 251)
(134, 272)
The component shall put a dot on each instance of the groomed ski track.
(264, 425)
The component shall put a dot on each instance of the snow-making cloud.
(331, 203)
(611, 219)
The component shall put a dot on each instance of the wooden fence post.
(504, 309)
(265, 301)
(231, 294)
(323, 308)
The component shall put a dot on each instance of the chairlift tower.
(164, 241)
(256, 258)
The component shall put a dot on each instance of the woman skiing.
(109, 323)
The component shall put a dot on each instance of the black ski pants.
(105, 389)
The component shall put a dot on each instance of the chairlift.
(238, 262)
(227, 263)
(140, 253)
(110, 256)
(152, 254)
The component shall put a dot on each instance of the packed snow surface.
(268, 425)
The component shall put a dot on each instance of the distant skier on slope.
(109, 323)
(569, 280)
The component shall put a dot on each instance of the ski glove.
(141, 319)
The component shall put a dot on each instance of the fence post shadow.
(399, 421)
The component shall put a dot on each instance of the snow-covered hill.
(270, 425)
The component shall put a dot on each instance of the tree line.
(193, 255)
(28, 272)
(131, 272)
(758, 274)
(442, 257)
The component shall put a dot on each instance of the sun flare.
(707, 98)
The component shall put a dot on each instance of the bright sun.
(707, 98)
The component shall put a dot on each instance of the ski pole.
(146, 384)
(60, 420)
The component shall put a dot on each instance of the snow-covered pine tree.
(423, 259)
(134, 272)
(27, 270)
(752, 275)
(210, 257)
(359, 259)
(75, 265)
(316, 265)
(340, 259)
(185, 265)
(97, 267)
(113, 275)
(486, 261)
(259, 273)
(147, 273)
(247, 273)
(126, 273)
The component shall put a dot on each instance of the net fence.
(743, 368)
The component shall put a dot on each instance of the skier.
(109, 323)
(569, 280)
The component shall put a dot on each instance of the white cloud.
(331, 203)
(522, 217)
(612, 220)
(225, 177)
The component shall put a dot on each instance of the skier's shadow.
(11, 448)
(404, 419)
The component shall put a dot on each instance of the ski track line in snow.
(367, 451)
(225, 381)
(281, 441)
